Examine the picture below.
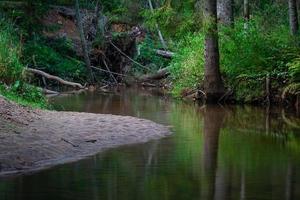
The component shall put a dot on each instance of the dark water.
(214, 153)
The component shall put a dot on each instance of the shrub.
(293, 87)
(246, 57)
(24, 94)
(11, 68)
(187, 66)
(148, 56)
(294, 70)
(46, 58)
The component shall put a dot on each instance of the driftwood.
(195, 95)
(149, 85)
(160, 74)
(165, 54)
(56, 78)
(49, 92)
(65, 11)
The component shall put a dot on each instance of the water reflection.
(213, 120)
(215, 153)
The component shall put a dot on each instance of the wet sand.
(32, 140)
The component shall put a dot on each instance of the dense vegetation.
(259, 51)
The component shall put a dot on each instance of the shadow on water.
(214, 153)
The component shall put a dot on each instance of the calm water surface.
(214, 153)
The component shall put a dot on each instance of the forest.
(221, 51)
(149, 99)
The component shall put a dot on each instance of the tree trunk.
(225, 12)
(293, 15)
(83, 42)
(161, 38)
(213, 84)
(100, 23)
(246, 13)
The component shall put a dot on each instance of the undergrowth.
(11, 69)
(24, 94)
(12, 85)
(247, 57)
(54, 58)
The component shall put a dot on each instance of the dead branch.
(110, 72)
(148, 85)
(103, 70)
(165, 54)
(160, 74)
(46, 92)
(56, 78)
(132, 60)
(66, 141)
(65, 11)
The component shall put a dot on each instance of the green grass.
(12, 85)
(11, 69)
(54, 58)
(26, 95)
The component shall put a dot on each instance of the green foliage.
(148, 56)
(294, 70)
(53, 61)
(247, 57)
(294, 84)
(24, 94)
(255, 51)
(187, 67)
(292, 89)
(175, 18)
(27, 16)
(11, 68)
(123, 10)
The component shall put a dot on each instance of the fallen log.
(165, 54)
(160, 74)
(50, 92)
(64, 11)
(56, 78)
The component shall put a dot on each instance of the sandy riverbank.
(35, 139)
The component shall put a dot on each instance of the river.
(215, 152)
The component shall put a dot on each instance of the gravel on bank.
(32, 139)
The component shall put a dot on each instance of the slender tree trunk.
(246, 13)
(225, 12)
(161, 38)
(83, 42)
(30, 12)
(293, 15)
(213, 84)
(100, 22)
